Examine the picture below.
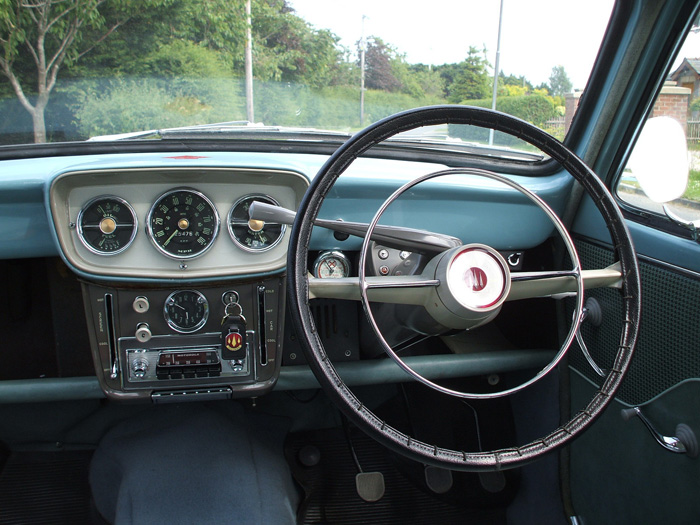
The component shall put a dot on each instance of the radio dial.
(139, 367)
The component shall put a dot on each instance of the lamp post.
(496, 69)
(250, 113)
(363, 47)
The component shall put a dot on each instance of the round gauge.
(107, 225)
(186, 311)
(331, 265)
(183, 224)
(253, 235)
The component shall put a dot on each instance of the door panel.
(619, 474)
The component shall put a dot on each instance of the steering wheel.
(444, 279)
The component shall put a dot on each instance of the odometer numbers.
(183, 223)
(107, 225)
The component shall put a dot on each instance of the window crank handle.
(684, 443)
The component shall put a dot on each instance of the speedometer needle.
(169, 238)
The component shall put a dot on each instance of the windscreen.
(71, 70)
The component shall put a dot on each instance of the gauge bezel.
(179, 329)
(79, 225)
(238, 243)
(331, 254)
(151, 235)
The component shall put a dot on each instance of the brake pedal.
(370, 486)
(439, 480)
(493, 482)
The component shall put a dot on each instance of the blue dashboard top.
(474, 210)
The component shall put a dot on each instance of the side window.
(663, 173)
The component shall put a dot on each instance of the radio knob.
(143, 333)
(139, 367)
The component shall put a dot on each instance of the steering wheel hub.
(477, 277)
(474, 284)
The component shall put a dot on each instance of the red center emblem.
(475, 278)
(234, 341)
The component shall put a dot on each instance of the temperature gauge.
(331, 265)
(252, 235)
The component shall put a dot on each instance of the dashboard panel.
(175, 223)
(167, 341)
(164, 352)
(184, 233)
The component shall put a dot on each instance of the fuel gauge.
(107, 225)
(331, 265)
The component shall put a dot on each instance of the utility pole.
(250, 113)
(496, 70)
(363, 47)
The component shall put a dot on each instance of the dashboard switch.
(143, 333)
(141, 304)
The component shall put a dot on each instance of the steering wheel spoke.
(528, 285)
(397, 289)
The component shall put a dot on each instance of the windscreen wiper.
(232, 130)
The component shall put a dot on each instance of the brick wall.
(571, 101)
(673, 102)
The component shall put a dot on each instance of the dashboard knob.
(139, 367)
(143, 333)
(141, 304)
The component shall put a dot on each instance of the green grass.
(692, 192)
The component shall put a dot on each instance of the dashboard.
(198, 337)
(159, 307)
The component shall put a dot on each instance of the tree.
(379, 73)
(468, 80)
(511, 80)
(290, 50)
(49, 33)
(559, 83)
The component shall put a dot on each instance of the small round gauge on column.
(253, 235)
(107, 225)
(186, 311)
(331, 265)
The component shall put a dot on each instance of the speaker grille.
(668, 348)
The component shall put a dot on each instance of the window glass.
(115, 67)
(659, 176)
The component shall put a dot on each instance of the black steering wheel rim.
(323, 369)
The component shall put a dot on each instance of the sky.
(536, 35)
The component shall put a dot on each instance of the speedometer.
(183, 223)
